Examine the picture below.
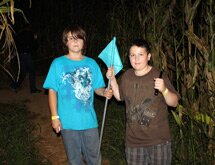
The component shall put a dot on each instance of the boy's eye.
(71, 38)
(131, 55)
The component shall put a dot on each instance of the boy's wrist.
(165, 92)
(103, 93)
(55, 117)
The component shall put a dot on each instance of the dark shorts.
(154, 155)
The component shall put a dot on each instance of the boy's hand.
(159, 84)
(56, 125)
(108, 93)
(110, 73)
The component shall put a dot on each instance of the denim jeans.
(78, 143)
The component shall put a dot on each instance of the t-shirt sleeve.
(98, 78)
(51, 78)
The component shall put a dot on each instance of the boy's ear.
(149, 56)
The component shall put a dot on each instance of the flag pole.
(105, 108)
(102, 127)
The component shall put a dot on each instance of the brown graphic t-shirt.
(147, 114)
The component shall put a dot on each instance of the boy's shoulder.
(58, 59)
(129, 71)
(89, 59)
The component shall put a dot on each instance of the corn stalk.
(186, 52)
(8, 49)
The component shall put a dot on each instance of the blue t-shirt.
(75, 82)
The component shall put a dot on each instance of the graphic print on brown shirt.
(141, 113)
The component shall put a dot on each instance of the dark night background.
(49, 18)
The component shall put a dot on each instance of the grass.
(112, 147)
(16, 137)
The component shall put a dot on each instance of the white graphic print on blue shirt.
(81, 81)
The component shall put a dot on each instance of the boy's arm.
(56, 124)
(113, 83)
(170, 97)
(104, 92)
(115, 88)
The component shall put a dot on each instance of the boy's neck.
(75, 56)
(143, 72)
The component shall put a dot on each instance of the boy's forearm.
(100, 91)
(115, 88)
(56, 124)
(170, 98)
(53, 102)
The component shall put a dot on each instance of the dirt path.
(49, 144)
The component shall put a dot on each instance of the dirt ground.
(49, 144)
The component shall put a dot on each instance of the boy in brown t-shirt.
(148, 139)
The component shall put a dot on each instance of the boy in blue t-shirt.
(72, 80)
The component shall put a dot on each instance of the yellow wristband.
(55, 117)
(165, 92)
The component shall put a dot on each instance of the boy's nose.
(136, 57)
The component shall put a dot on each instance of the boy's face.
(74, 44)
(139, 58)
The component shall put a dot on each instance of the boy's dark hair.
(141, 43)
(77, 32)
